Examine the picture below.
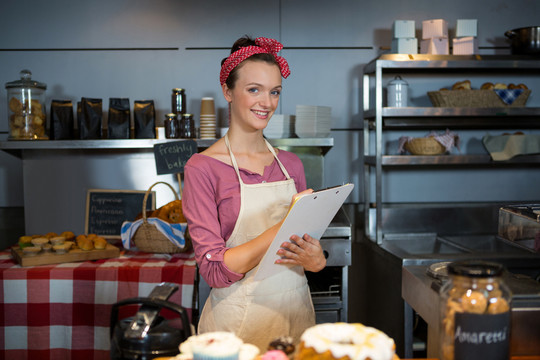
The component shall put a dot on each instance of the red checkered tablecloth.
(63, 311)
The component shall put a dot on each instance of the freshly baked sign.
(172, 156)
(106, 210)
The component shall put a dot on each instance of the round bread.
(500, 86)
(487, 86)
(171, 212)
(345, 341)
(100, 243)
(462, 85)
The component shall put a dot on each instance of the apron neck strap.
(235, 164)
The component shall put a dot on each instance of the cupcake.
(57, 240)
(218, 345)
(274, 355)
(40, 241)
(31, 250)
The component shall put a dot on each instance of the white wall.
(323, 76)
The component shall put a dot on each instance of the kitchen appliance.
(525, 40)
(148, 334)
(521, 224)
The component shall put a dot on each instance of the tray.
(74, 255)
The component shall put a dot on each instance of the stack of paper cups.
(208, 118)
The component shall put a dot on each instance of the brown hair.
(245, 41)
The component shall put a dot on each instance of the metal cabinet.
(378, 119)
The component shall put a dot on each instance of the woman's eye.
(253, 90)
(276, 92)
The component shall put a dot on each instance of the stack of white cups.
(208, 118)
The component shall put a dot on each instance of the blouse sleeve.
(200, 209)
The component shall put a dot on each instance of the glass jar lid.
(178, 91)
(475, 268)
(397, 81)
(26, 81)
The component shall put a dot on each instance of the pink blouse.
(211, 203)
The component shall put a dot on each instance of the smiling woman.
(236, 195)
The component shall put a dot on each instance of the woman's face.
(255, 95)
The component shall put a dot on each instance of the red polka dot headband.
(264, 46)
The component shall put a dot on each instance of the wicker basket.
(148, 238)
(425, 146)
(474, 98)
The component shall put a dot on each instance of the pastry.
(100, 243)
(68, 235)
(171, 212)
(58, 240)
(273, 355)
(86, 244)
(40, 241)
(218, 345)
(500, 86)
(462, 85)
(283, 343)
(522, 86)
(344, 341)
(512, 86)
(31, 250)
(25, 241)
(487, 86)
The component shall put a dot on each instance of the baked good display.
(345, 341)
(100, 243)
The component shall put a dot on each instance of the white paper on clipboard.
(311, 214)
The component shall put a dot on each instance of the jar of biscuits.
(26, 108)
(475, 312)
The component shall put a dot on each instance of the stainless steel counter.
(421, 292)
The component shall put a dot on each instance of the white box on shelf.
(434, 46)
(465, 45)
(466, 27)
(405, 46)
(436, 28)
(403, 29)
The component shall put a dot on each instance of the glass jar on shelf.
(26, 108)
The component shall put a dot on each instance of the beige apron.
(280, 305)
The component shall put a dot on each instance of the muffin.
(218, 345)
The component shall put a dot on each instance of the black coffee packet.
(61, 125)
(91, 118)
(119, 117)
(144, 118)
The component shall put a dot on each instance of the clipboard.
(310, 214)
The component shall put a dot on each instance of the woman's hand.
(305, 251)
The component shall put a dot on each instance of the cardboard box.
(403, 29)
(465, 45)
(434, 46)
(466, 27)
(436, 28)
(405, 46)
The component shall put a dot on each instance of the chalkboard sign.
(106, 210)
(172, 156)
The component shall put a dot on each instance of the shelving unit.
(378, 118)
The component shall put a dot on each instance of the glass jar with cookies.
(26, 108)
(475, 312)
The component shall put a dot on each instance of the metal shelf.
(453, 160)
(463, 118)
(378, 119)
(16, 146)
(448, 62)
